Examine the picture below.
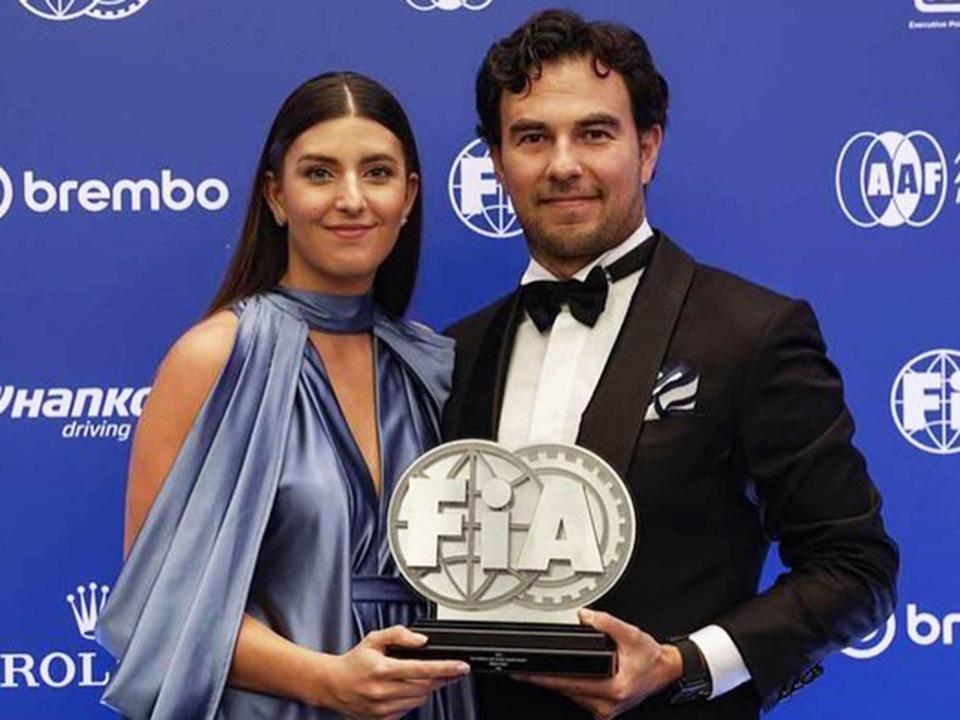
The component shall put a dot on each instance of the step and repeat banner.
(813, 147)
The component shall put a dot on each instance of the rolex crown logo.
(86, 605)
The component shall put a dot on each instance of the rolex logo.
(86, 606)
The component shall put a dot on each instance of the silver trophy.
(509, 546)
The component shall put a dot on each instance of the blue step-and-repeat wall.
(813, 147)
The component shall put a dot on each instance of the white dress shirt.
(552, 377)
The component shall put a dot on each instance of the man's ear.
(273, 194)
(650, 141)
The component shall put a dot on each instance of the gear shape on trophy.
(616, 526)
(462, 514)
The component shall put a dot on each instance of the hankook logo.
(72, 9)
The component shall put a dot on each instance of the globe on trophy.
(508, 546)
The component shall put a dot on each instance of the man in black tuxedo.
(711, 396)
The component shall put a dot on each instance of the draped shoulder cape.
(173, 615)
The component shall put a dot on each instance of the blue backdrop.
(812, 147)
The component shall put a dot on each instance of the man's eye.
(595, 135)
(530, 139)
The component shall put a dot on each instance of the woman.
(259, 584)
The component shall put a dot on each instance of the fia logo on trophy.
(509, 546)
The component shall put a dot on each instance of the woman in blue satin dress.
(259, 582)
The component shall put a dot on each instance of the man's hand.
(644, 668)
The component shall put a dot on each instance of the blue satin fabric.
(270, 509)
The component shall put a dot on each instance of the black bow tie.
(543, 299)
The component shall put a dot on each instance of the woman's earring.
(279, 221)
(403, 221)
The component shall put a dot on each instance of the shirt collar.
(535, 271)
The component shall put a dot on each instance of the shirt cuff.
(726, 666)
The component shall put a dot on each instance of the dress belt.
(381, 588)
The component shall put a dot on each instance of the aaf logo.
(937, 6)
(428, 5)
(477, 196)
(892, 179)
(925, 401)
(61, 669)
(72, 9)
(924, 629)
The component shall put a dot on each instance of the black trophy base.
(495, 647)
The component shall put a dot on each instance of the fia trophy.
(509, 546)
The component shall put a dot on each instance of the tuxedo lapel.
(484, 394)
(612, 420)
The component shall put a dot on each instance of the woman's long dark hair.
(261, 257)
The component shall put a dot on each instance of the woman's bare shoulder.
(205, 347)
(189, 370)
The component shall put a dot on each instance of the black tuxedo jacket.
(766, 455)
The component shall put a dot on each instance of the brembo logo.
(171, 193)
(61, 669)
(427, 5)
(893, 179)
(87, 412)
(924, 629)
(73, 9)
(6, 192)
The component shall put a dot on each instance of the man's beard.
(575, 242)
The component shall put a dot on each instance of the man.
(711, 396)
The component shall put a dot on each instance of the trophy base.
(501, 647)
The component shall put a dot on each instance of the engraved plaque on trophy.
(509, 546)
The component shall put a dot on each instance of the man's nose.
(350, 197)
(564, 163)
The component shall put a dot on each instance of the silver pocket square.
(674, 392)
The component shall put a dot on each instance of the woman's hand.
(365, 683)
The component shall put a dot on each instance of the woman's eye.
(380, 172)
(318, 173)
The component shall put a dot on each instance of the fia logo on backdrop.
(428, 5)
(477, 197)
(891, 179)
(925, 402)
(72, 9)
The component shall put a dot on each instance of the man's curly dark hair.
(552, 35)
